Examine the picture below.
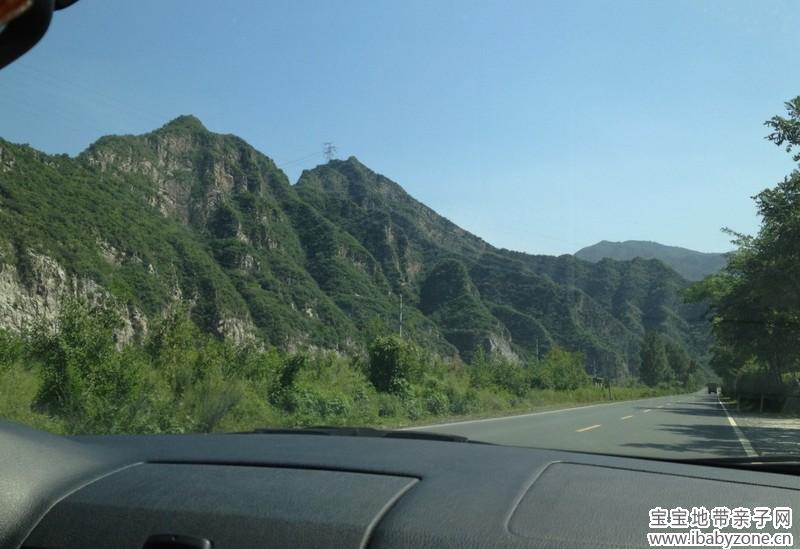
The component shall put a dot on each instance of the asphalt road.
(681, 427)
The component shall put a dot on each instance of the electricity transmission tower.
(329, 150)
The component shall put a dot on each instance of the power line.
(298, 160)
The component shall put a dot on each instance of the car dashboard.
(305, 490)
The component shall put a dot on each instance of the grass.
(18, 388)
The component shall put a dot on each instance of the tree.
(755, 300)
(84, 378)
(480, 369)
(654, 368)
(560, 370)
(786, 131)
(678, 360)
(394, 363)
(508, 375)
(174, 346)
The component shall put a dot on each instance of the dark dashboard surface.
(281, 490)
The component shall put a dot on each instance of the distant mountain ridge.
(690, 264)
(184, 214)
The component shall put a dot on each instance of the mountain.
(496, 298)
(184, 215)
(690, 264)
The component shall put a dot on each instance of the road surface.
(681, 427)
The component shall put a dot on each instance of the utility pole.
(537, 348)
(401, 315)
(402, 285)
(329, 150)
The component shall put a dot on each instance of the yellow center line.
(648, 410)
(626, 417)
(587, 428)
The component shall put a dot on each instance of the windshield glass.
(547, 224)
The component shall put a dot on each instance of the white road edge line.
(748, 448)
(626, 417)
(589, 428)
(501, 418)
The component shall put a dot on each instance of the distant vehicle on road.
(712, 388)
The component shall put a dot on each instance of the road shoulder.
(768, 434)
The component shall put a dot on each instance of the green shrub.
(436, 402)
(390, 406)
(291, 368)
(11, 348)
(510, 376)
(560, 370)
(480, 369)
(318, 406)
(83, 376)
(464, 402)
(394, 363)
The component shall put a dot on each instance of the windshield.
(542, 224)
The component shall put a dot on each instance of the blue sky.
(540, 126)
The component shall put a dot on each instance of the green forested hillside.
(517, 302)
(184, 215)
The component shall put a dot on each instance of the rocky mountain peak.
(182, 213)
(184, 122)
